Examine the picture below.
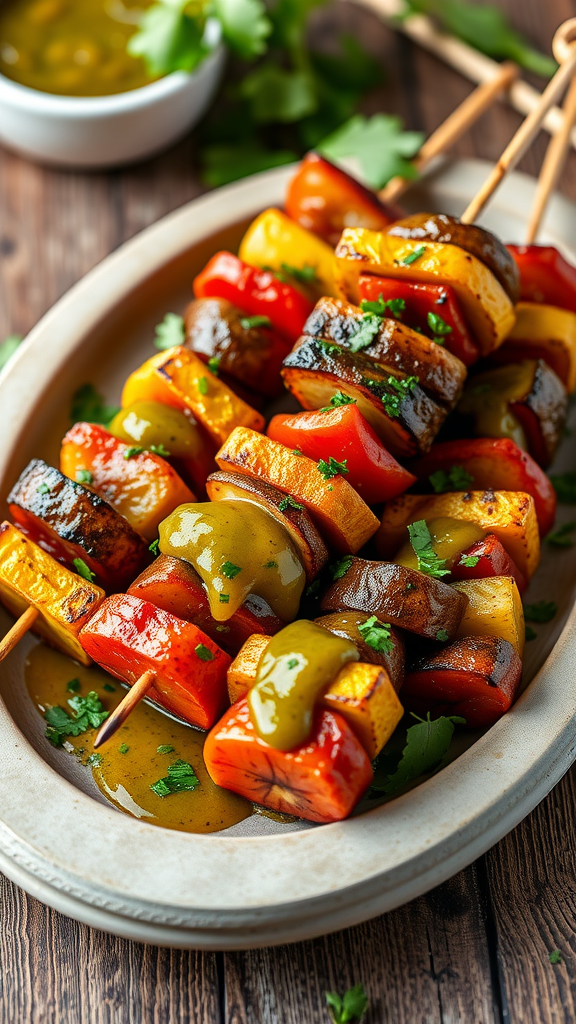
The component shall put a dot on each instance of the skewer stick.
(531, 125)
(19, 629)
(458, 122)
(120, 714)
(556, 152)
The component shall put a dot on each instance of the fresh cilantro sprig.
(8, 348)
(88, 713)
(339, 569)
(377, 635)
(332, 468)
(427, 744)
(181, 777)
(89, 405)
(170, 332)
(381, 306)
(565, 486)
(456, 479)
(562, 537)
(440, 329)
(377, 144)
(540, 611)
(396, 390)
(337, 400)
(366, 331)
(289, 502)
(428, 560)
(348, 1008)
(469, 561)
(83, 570)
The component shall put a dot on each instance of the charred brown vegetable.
(346, 624)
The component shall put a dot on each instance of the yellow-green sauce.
(71, 47)
(125, 777)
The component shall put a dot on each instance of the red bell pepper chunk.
(322, 780)
(343, 434)
(494, 464)
(128, 637)
(476, 677)
(421, 300)
(491, 560)
(174, 585)
(257, 292)
(545, 276)
(325, 200)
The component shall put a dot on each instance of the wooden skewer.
(129, 702)
(556, 152)
(19, 629)
(529, 128)
(458, 122)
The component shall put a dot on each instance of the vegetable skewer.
(135, 694)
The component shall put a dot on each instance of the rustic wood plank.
(55, 971)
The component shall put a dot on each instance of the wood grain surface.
(475, 950)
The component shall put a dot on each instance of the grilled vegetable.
(482, 244)
(545, 276)
(324, 199)
(279, 244)
(245, 347)
(311, 549)
(128, 636)
(140, 485)
(494, 609)
(398, 595)
(485, 559)
(508, 514)
(342, 433)
(174, 585)
(488, 310)
(490, 464)
(403, 416)
(179, 378)
(75, 525)
(242, 672)
(390, 655)
(344, 520)
(547, 333)
(393, 346)
(31, 577)
(321, 781)
(257, 292)
(475, 677)
(525, 401)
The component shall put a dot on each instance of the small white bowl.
(104, 131)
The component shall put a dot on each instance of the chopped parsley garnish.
(438, 326)
(456, 479)
(442, 636)
(289, 502)
(381, 306)
(565, 486)
(123, 748)
(214, 365)
(84, 476)
(43, 489)
(329, 347)
(347, 1008)
(170, 332)
(180, 778)
(73, 686)
(109, 688)
(224, 598)
(88, 714)
(541, 611)
(83, 570)
(367, 330)
(229, 570)
(154, 547)
(134, 449)
(88, 404)
(339, 569)
(165, 748)
(203, 652)
(427, 744)
(428, 560)
(292, 663)
(313, 590)
(530, 633)
(377, 635)
(296, 451)
(203, 385)
(411, 257)
(332, 467)
(469, 561)
(400, 388)
(561, 538)
(304, 275)
(555, 957)
(270, 565)
(338, 399)
(247, 322)
(159, 449)
(94, 760)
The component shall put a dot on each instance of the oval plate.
(230, 891)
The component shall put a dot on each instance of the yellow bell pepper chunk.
(65, 601)
(548, 333)
(510, 515)
(180, 379)
(363, 694)
(276, 242)
(494, 609)
(486, 306)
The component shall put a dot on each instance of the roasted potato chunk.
(494, 609)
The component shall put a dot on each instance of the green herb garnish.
(247, 322)
(377, 635)
(203, 652)
(439, 327)
(562, 537)
(73, 686)
(224, 598)
(469, 561)
(347, 1008)
(442, 636)
(270, 565)
(214, 365)
(88, 404)
(289, 502)
(337, 400)
(203, 385)
(109, 688)
(84, 476)
(134, 449)
(400, 388)
(339, 569)
(94, 760)
(159, 449)
(229, 570)
(427, 744)
(381, 306)
(329, 347)
(367, 329)
(304, 275)
(428, 560)
(170, 332)
(83, 570)
(292, 663)
(530, 633)
(379, 145)
(555, 957)
(43, 489)
(411, 257)
(165, 748)
(154, 547)
(456, 479)
(181, 777)
(565, 486)
(123, 748)
(88, 714)
(540, 611)
(332, 468)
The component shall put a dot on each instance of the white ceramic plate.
(230, 890)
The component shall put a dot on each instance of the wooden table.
(475, 950)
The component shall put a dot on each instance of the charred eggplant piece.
(346, 624)
(403, 597)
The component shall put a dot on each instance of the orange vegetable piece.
(343, 518)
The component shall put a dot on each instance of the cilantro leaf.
(397, 389)
(456, 479)
(337, 400)
(442, 636)
(347, 1008)
(428, 560)
(367, 329)
(229, 570)
(170, 332)
(8, 348)
(469, 561)
(289, 502)
(165, 748)
(73, 686)
(377, 635)
(88, 714)
(427, 743)
(378, 144)
(123, 748)
(181, 777)
(134, 449)
(438, 326)
(89, 706)
(339, 569)
(565, 486)
(332, 468)
(214, 365)
(381, 305)
(305, 274)
(540, 611)
(247, 322)
(84, 476)
(561, 538)
(168, 39)
(278, 94)
(88, 404)
(83, 570)
(154, 547)
(245, 26)
(203, 652)
(159, 449)
(203, 385)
